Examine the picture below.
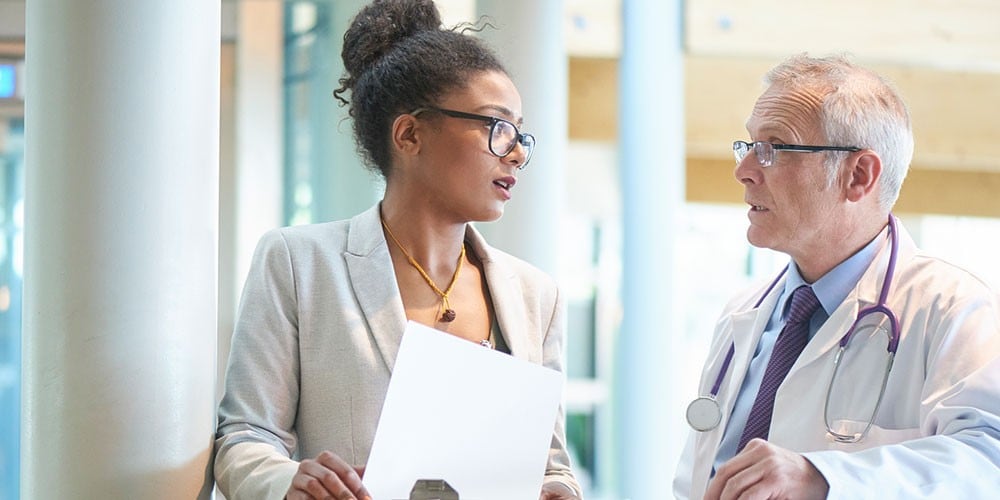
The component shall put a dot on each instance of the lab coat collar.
(752, 320)
(865, 294)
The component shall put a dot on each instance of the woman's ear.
(405, 136)
(865, 172)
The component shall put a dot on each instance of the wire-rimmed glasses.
(764, 151)
(504, 135)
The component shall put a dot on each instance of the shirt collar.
(833, 287)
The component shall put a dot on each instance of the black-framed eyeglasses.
(504, 135)
(764, 151)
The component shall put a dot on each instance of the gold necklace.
(447, 313)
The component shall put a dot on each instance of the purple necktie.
(791, 341)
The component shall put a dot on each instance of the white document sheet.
(477, 418)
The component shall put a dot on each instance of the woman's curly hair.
(397, 58)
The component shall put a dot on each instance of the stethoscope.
(705, 413)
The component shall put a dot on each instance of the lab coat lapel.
(865, 294)
(374, 280)
(747, 328)
(829, 335)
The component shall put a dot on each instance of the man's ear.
(865, 171)
(405, 137)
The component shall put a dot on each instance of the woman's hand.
(328, 476)
(557, 491)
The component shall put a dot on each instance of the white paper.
(477, 418)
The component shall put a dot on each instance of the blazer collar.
(506, 294)
(370, 269)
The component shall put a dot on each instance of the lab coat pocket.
(876, 436)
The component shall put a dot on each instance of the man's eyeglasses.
(504, 135)
(764, 151)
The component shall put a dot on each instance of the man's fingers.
(763, 470)
(723, 485)
(741, 484)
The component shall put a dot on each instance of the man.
(831, 144)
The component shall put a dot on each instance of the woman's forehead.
(488, 92)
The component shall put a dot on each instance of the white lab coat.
(937, 434)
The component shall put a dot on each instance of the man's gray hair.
(859, 108)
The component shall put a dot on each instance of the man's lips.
(506, 182)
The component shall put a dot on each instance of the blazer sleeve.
(255, 438)
(558, 469)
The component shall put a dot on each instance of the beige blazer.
(316, 336)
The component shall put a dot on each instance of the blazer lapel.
(374, 281)
(507, 297)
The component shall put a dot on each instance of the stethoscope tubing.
(732, 346)
(880, 307)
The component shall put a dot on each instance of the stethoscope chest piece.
(704, 414)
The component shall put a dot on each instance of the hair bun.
(379, 26)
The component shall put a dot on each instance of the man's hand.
(763, 470)
(557, 491)
(328, 476)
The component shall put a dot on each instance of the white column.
(648, 425)
(122, 129)
(531, 45)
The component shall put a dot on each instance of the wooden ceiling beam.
(955, 120)
(954, 35)
(956, 166)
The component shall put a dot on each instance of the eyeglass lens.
(762, 150)
(505, 136)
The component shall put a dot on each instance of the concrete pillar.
(119, 340)
(531, 44)
(648, 427)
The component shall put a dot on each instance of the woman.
(325, 305)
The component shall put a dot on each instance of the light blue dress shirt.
(831, 290)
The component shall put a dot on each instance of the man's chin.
(757, 238)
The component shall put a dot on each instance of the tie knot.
(804, 304)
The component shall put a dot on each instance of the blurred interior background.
(286, 157)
